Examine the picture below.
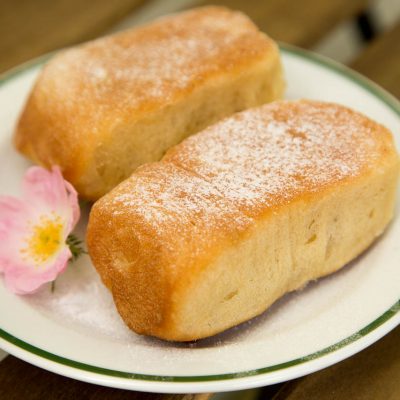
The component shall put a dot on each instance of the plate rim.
(14, 343)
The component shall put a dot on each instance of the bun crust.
(238, 215)
(101, 109)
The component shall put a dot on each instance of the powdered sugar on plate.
(80, 299)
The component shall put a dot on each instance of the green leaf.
(75, 245)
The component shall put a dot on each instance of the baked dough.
(234, 217)
(101, 109)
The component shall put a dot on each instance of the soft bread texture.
(236, 216)
(101, 109)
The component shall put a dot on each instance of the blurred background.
(364, 34)
(340, 29)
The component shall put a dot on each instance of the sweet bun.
(101, 109)
(245, 211)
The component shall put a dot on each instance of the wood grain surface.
(373, 374)
(381, 61)
(21, 381)
(29, 28)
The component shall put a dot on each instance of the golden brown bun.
(101, 109)
(241, 213)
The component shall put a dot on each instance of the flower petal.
(46, 188)
(27, 228)
(43, 187)
(50, 192)
(23, 279)
(72, 197)
(14, 217)
(70, 200)
(13, 212)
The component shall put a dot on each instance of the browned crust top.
(215, 183)
(174, 217)
(88, 91)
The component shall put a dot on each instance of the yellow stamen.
(45, 240)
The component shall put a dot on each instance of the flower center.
(45, 240)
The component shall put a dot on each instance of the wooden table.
(28, 29)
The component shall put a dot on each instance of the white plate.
(76, 331)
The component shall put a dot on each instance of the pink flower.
(34, 230)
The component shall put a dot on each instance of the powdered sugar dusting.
(168, 201)
(269, 155)
(152, 64)
(246, 164)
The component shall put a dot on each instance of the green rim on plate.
(356, 78)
